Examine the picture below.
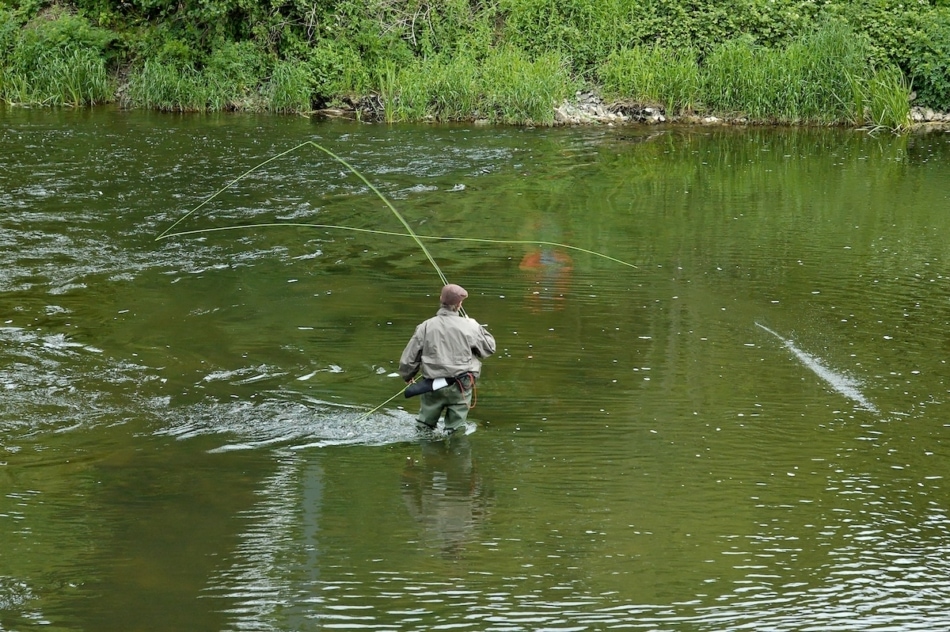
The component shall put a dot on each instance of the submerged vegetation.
(840, 61)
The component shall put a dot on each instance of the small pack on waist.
(464, 381)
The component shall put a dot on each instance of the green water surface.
(746, 431)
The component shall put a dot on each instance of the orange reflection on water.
(550, 270)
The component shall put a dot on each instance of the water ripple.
(296, 423)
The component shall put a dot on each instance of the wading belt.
(465, 382)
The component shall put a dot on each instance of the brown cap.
(453, 294)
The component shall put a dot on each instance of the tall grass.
(408, 92)
(232, 76)
(290, 88)
(883, 100)
(457, 89)
(653, 75)
(518, 90)
(58, 77)
(810, 80)
(821, 77)
(504, 87)
(160, 86)
(56, 59)
(184, 88)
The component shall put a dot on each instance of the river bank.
(589, 108)
(524, 64)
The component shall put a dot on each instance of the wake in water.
(289, 420)
(840, 383)
(296, 425)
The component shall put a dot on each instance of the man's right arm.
(484, 343)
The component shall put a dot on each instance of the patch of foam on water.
(50, 382)
(245, 375)
(313, 255)
(842, 384)
(62, 262)
(14, 593)
(66, 288)
(292, 423)
(60, 342)
(303, 211)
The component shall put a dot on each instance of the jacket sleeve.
(411, 356)
(484, 343)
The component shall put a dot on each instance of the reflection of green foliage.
(691, 194)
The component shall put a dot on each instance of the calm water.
(747, 431)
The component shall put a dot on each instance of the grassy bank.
(823, 77)
(509, 61)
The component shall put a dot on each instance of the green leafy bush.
(506, 60)
(233, 74)
(9, 34)
(929, 62)
(55, 59)
(337, 69)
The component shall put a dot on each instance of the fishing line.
(167, 233)
(402, 220)
(401, 391)
(416, 236)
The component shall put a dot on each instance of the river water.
(747, 431)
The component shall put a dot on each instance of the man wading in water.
(448, 348)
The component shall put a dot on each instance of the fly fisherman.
(447, 346)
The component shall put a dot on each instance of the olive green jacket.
(446, 345)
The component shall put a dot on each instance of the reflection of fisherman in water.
(548, 267)
(444, 492)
